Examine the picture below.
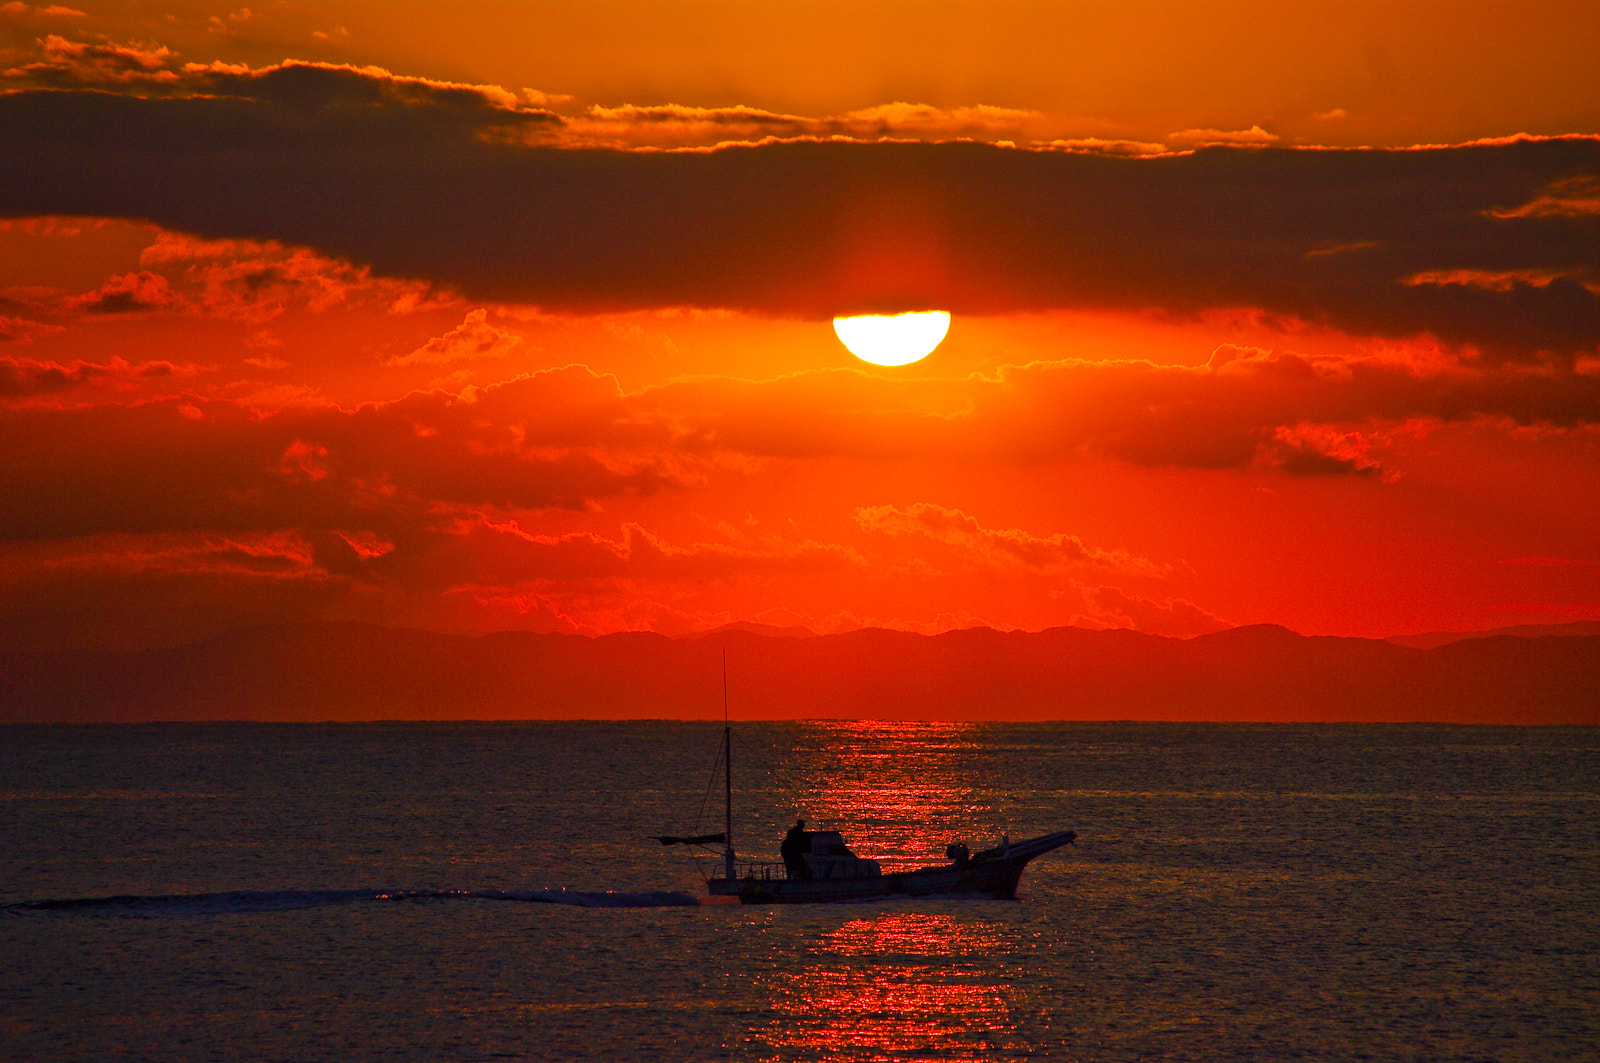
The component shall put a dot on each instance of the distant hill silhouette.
(336, 671)
(795, 631)
(1428, 640)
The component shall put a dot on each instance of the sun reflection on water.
(911, 934)
(896, 984)
(899, 791)
(891, 984)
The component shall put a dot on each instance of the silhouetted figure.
(794, 849)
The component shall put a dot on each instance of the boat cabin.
(831, 858)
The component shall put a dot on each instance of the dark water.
(475, 892)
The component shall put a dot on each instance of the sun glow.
(898, 339)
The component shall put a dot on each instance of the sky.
(489, 315)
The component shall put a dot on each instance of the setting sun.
(899, 339)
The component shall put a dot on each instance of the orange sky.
(458, 317)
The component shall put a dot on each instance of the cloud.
(135, 590)
(502, 554)
(20, 11)
(678, 126)
(23, 330)
(256, 281)
(155, 69)
(1172, 617)
(1567, 197)
(1100, 146)
(314, 85)
(393, 510)
(437, 182)
(1246, 407)
(435, 501)
(900, 118)
(74, 63)
(259, 289)
(230, 25)
(557, 439)
(473, 338)
(248, 281)
(27, 377)
(996, 546)
(131, 293)
(1500, 280)
(1255, 136)
(1319, 450)
(269, 553)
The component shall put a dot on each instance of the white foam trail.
(239, 901)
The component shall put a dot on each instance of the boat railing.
(771, 869)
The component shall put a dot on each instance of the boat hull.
(994, 873)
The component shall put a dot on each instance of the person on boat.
(796, 844)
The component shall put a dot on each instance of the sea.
(492, 891)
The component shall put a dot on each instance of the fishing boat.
(836, 874)
(825, 869)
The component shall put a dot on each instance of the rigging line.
(710, 782)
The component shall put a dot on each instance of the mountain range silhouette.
(350, 672)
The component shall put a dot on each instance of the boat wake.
(242, 901)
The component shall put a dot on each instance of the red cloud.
(393, 507)
(23, 330)
(554, 439)
(387, 510)
(256, 281)
(997, 546)
(27, 377)
(1173, 617)
(1319, 450)
(498, 554)
(131, 293)
(1246, 406)
(473, 338)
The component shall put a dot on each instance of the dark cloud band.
(447, 188)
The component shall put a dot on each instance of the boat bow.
(1033, 847)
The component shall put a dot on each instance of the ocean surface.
(489, 891)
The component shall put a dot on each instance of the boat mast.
(727, 773)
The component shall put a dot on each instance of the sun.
(897, 339)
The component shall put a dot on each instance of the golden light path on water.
(896, 785)
(892, 983)
(887, 985)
